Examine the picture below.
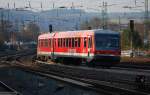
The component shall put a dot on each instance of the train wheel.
(64, 61)
(43, 58)
(46, 59)
(38, 58)
(67, 61)
(90, 64)
(77, 62)
(61, 60)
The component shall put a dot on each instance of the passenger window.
(49, 42)
(55, 42)
(84, 42)
(64, 42)
(69, 42)
(72, 42)
(61, 42)
(58, 42)
(78, 42)
(90, 43)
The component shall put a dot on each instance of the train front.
(107, 47)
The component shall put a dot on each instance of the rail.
(8, 90)
(108, 87)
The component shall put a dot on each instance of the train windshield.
(107, 41)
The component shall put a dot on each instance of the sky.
(87, 5)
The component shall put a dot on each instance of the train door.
(84, 45)
(52, 48)
(89, 45)
(53, 43)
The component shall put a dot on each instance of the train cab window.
(38, 43)
(72, 42)
(46, 43)
(85, 42)
(79, 42)
(41, 43)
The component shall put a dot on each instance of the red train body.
(90, 46)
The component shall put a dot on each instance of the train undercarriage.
(106, 61)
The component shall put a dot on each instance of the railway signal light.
(131, 37)
(50, 28)
(132, 25)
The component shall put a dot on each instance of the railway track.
(6, 90)
(134, 66)
(91, 77)
(9, 60)
(97, 83)
(98, 86)
(9, 57)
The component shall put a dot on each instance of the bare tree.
(94, 23)
(31, 32)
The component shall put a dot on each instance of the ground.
(136, 59)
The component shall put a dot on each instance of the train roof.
(46, 35)
(101, 31)
(80, 33)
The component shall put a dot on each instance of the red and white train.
(88, 46)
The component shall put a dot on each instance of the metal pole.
(104, 15)
(119, 23)
(145, 24)
(2, 20)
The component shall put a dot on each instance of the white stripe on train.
(67, 54)
(73, 54)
